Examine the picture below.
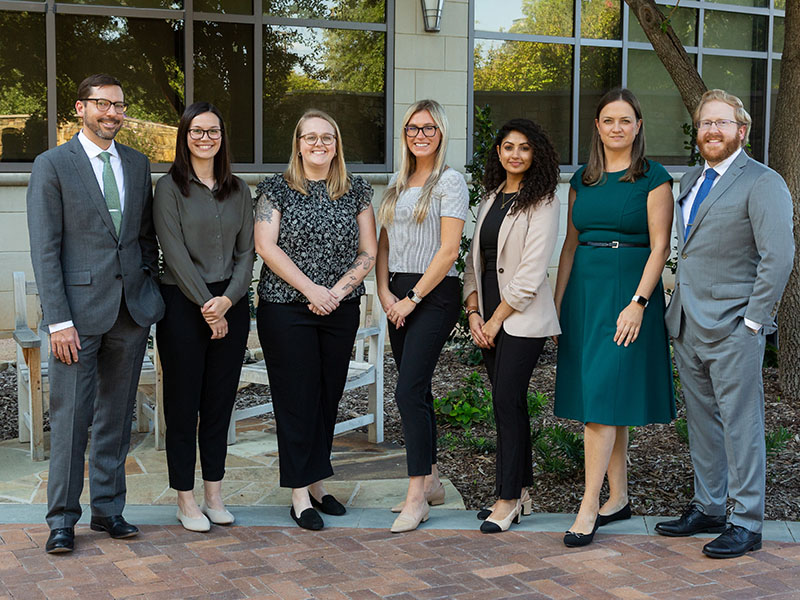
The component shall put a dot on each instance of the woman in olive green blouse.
(204, 221)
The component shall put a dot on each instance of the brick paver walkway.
(338, 563)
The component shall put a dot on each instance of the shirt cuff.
(59, 326)
(752, 324)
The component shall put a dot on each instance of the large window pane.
(601, 70)
(527, 79)
(175, 4)
(663, 111)
(683, 21)
(223, 75)
(364, 11)
(753, 3)
(145, 55)
(776, 80)
(536, 17)
(235, 7)
(23, 88)
(339, 71)
(778, 34)
(780, 4)
(746, 78)
(735, 31)
(601, 20)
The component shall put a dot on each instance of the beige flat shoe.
(201, 523)
(218, 517)
(434, 498)
(405, 523)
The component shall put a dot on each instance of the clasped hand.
(483, 332)
(322, 301)
(396, 310)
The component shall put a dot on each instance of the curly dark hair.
(540, 180)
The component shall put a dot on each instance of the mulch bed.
(660, 470)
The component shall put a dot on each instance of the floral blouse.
(320, 235)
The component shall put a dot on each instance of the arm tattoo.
(364, 262)
(264, 209)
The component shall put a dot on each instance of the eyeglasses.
(427, 130)
(311, 138)
(197, 134)
(720, 124)
(103, 105)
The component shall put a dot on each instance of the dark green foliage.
(682, 429)
(469, 404)
(557, 450)
(776, 441)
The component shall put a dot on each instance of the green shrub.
(471, 403)
(557, 450)
(682, 429)
(775, 441)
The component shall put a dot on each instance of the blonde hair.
(741, 115)
(336, 181)
(408, 163)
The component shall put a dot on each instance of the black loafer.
(734, 541)
(308, 519)
(575, 540)
(115, 526)
(61, 540)
(692, 521)
(622, 514)
(329, 505)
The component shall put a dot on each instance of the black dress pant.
(201, 376)
(416, 347)
(510, 365)
(307, 358)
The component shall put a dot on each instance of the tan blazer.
(525, 245)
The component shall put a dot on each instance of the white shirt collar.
(724, 165)
(93, 150)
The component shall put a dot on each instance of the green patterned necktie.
(111, 191)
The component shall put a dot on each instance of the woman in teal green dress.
(614, 366)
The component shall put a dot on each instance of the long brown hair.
(336, 181)
(595, 171)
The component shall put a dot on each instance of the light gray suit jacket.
(82, 266)
(738, 255)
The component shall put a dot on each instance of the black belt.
(614, 244)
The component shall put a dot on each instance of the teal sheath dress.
(598, 381)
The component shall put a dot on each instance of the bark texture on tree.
(784, 147)
(670, 50)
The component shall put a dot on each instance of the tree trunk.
(783, 146)
(670, 50)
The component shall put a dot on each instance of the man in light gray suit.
(735, 253)
(95, 258)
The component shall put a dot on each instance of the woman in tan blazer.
(508, 300)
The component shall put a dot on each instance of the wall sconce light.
(432, 14)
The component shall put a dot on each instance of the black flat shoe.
(308, 519)
(574, 540)
(622, 514)
(692, 521)
(734, 541)
(61, 540)
(329, 505)
(115, 526)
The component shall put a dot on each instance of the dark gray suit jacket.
(739, 253)
(82, 267)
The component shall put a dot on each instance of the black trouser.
(201, 376)
(510, 365)
(416, 347)
(307, 358)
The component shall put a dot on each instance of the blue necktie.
(705, 187)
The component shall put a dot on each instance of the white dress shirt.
(688, 202)
(93, 152)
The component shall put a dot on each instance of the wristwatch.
(640, 300)
(412, 295)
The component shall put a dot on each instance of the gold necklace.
(506, 202)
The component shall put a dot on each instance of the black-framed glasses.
(427, 130)
(720, 123)
(213, 134)
(103, 105)
(311, 138)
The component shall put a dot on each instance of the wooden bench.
(33, 349)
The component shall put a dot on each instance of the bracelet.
(472, 311)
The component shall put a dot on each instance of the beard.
(95, 127)
(717, 155)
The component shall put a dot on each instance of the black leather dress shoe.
(622, 514)
(692, 521)
(308, 519)
(734, 541)
(61, 540)
(116, 526)
(329, 505)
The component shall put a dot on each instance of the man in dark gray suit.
(735, 253)
(95, 257)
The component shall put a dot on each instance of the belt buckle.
(615, 244)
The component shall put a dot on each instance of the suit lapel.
(725, 182)
(84, 170)
(129, 173)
